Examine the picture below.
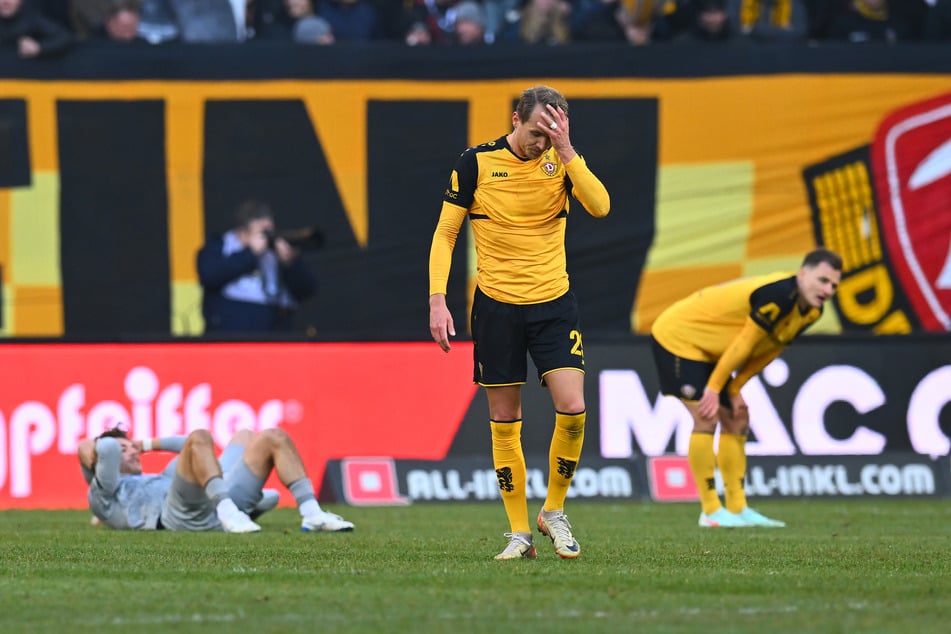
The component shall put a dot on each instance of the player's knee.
(200, 437)
(276, 437)
(198, 443)
(570, 407)
(570, 403)
(242, 437)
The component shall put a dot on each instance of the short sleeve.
(771, 302)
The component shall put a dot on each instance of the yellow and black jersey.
(518, 210)
(738, 326)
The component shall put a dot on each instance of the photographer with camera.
(252, 278)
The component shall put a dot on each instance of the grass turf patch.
(849, 566)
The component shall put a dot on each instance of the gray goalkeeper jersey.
(123, 501)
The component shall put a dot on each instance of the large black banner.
(113, 217)
(116, 168)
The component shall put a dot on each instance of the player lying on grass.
(198, 491)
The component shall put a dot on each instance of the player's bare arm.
(709, 403)
(440, 321)
(87, 453)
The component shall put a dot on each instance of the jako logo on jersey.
(911, 163)
(549, 168)
(500, 174)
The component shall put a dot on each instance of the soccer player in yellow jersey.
(515, 191)
(708, 345)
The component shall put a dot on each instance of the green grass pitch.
(840, 566)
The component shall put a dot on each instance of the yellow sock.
(703, 464)
(510, 470)
(563, 457)
(731, 457)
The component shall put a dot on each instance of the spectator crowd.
(44, 27)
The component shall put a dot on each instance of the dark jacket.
(27, 22)
(223, 314)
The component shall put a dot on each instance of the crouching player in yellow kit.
(515, 191)
(737, 327)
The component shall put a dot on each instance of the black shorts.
(681, 377)
(504, 334)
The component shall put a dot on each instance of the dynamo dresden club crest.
(886, 207)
